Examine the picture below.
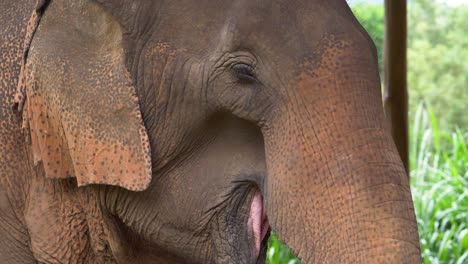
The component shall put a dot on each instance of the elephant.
(157, 131)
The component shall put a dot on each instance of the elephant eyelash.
(245, 72)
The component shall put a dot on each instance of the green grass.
(439, 179)
(439, 183)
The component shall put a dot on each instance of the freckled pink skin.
(258, 223)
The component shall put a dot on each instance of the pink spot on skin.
(258, 222)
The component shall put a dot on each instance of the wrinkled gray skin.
(280, 97)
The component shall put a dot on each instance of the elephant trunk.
(336, 190)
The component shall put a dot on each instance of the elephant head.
(195, 126)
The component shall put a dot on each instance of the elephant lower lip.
(258, 221)
(265, 226)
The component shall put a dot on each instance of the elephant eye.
(245, 72)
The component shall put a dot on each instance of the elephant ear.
(79, 106)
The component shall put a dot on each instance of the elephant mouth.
(264, 248)
(259, 226)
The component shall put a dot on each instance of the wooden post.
(395, 82)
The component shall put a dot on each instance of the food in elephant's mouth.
(258, 221)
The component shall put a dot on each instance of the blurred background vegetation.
(438, 90)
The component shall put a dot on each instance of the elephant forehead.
(266, 27)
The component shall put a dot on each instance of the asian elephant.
(180, 131)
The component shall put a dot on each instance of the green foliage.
(279, 253)
(437, 60)
(437, 52)
(439, 178)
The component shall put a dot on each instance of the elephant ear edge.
(33, 23)
(82, 116)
